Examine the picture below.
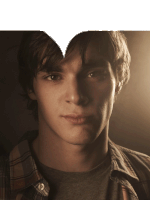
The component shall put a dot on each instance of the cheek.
(44, 96)
(103, 98)
(108, 100)
(110, 93)
(48, 100)
(102, 93)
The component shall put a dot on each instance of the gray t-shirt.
(94, 184)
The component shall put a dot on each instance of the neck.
(58, 154)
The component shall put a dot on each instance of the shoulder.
(4, 175)
(135, 156)
(132, 166)
(4, 166)
(132, 160)
(140, 162)
(4, 161)
(129, 155)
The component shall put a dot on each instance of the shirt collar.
(119, 161)
(23, 170)
(121, 165)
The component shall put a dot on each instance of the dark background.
(129, 124)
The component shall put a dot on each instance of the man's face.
(75, 101)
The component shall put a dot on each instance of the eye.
(53, 77)
(97, 74)
(92, 74)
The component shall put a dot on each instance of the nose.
(76, 93)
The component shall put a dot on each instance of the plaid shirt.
(21, 180)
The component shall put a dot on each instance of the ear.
(32, 95)
(118, 87)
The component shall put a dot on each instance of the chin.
(82, 137)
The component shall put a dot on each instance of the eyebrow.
(101, 63)
(52, 68)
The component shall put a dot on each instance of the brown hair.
(37, 45)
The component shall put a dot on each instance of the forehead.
(93, 55)
(94, 51)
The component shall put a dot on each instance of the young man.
(71, 155)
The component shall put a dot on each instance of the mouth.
(77, 119)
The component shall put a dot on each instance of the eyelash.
(53, 75)
(99, 74)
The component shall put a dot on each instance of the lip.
(76, 119)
